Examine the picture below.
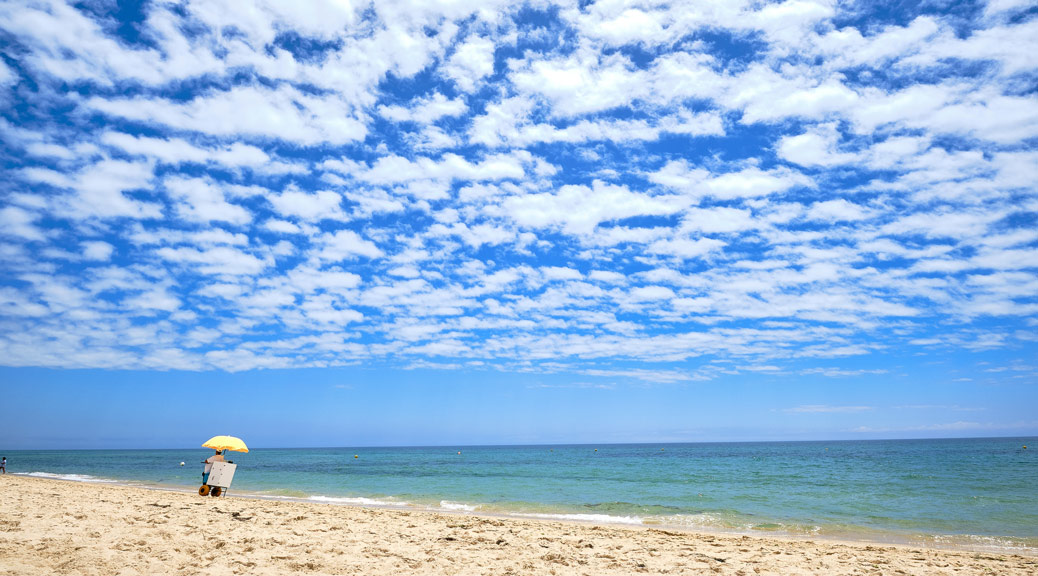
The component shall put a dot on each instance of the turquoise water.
(976, 493)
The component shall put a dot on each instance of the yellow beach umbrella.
(226, 443)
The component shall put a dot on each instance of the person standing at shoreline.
(3, 465)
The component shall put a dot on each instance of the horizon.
(402, 222)
(563, 444)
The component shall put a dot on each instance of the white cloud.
(500, 120)
(681, 76)
(425, 110)
(994, 117)
(814, 148)
(582, 83)
(788, 22)
(153, 299)
(630, 26)
(282, 227)
(295, 203)
(324, 19)
(344, 245)
(1002, 8)
(48, 150)
(239, 360)
(71, 46)
(1008, 45)
(499, 127)
(685, 247)
(752, 182)
(100, 189)
(945, 223)
(97, 250)
(474, 236)
(16, 221)
(895, 152)
(309, 279)
(608, 277)
(202, 200)
(749, 182)
(396, 169)
(323, 311)
(880, 108)
(693, 124)
(218, 260)
(472, 61)
(848, 48)
(434, 138)
(7, 76)
(171, 151)
(651, 293)
(284, 113)
(720, 220)
(560, 273)
(579, 209)
(177, 151)
(838, 210)
(768, 96)
(950, 108)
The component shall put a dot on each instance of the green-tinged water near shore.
(975, 493)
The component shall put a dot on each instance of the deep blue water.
(964, 493)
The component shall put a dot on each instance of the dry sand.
(59, 527)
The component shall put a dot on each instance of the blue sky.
(479, 222)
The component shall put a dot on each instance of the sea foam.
(356, 501)
(71, 477)
(592, 518)
(457, 506)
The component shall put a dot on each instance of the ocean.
(977, 494)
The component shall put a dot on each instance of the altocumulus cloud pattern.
(668, 191)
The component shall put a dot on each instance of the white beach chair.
(220, 477)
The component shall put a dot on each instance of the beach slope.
(59, 527)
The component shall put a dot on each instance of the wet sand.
(61, 527)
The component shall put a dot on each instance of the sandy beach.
(61, 527)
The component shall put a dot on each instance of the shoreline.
(852, 536)
(919, 493)
(53, 526)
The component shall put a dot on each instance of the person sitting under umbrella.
(218, 457)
